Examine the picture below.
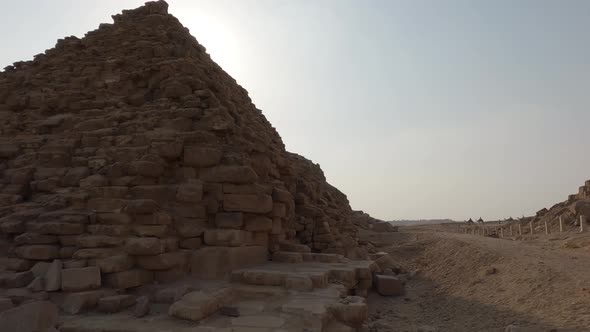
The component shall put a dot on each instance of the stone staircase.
(314, 292)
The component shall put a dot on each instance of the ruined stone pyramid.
(132, 151)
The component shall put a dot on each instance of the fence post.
(532, 229)
(546, 229)
(502, 232)
(519, 229)
(581, 223)
(560, 224)
(510, 229)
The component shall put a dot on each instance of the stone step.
(294, 247)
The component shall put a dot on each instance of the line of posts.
(499, 230)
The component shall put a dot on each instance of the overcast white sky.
(415, 109)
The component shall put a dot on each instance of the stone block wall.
(130, 150)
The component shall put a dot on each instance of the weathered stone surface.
(198, 305)
(233, 220)
(79, 279)
(16, 279)
(388, 285)
(201, 156)
(129, 278)
(53, 276)
(38, 252)
(56, 228)
(163, 261)
(16, 264)
(115, 303)
(29, 317)
(5, 304)
(227, 237)
(36, 285)
(139, 206)
(258, 223)
(231, 174)
(35, 238)
(112, 264)
(217, 262)
(191, 243)
(98, 241)
(74, 303)
(351, 310)
(247, 203)
(300, 283)
(142, 306)
(144, 246)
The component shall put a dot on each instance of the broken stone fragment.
(29, 317)
(389, 285)
(142, 306)
(115, 303)
(79, 279)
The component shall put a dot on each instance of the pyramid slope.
(132, 142)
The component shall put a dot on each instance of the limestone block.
(198, 305)
(294, 247)
(56, 228)
(144, 246)
(36, 285)
(158, 218)
(158, 231)
(232, 220)
(38, 252)
(113, 264)
(190, 227)
(138, 206)
(53, 276)
(227, 237)
(142, 306)
(98, 241)
(40, 269)
(106, 204)
(388, 285)
(29, 317)
(253, 188)
(115, 303)
(247, 203)
(191, 243)
(110, 230)
(287, 257)
(191, 192)
(5, 304)
(158, 193)
(172, 294)
(201, 156)
(146, 168)
(217, 262)
(351, 310)
(256, 223)
(79, 279)
(189, 210)
(74, 303)
(129, 278)
(229, 174)
(16, 264)
(301, 283)
(35, 238)
(163, 261)
(113, 218)
(89, 253)
(279, 210)
(16, 279)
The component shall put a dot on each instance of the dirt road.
(474, 283)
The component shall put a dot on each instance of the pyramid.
(131, 155)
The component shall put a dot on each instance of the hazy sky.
(414, 109)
